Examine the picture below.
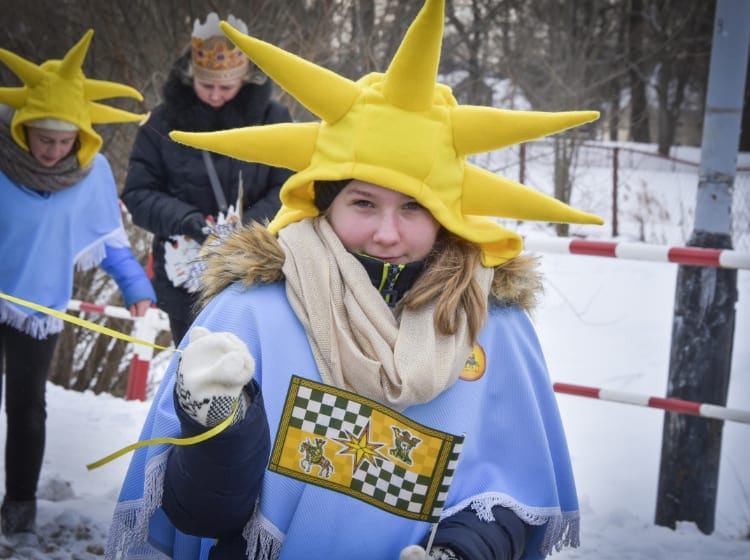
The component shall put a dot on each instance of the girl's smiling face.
(382, 223)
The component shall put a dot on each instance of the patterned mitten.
(213, 370)
(443, 553)
(416, 552)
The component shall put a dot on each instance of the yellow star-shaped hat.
(58, 89)
(401, 130)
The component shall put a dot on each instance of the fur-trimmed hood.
(252, 255)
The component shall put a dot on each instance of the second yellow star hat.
(401, 130)
(58, 90)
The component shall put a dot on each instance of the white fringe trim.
(263, 538)
(91, 256)
(38, 327)
(128, 534)
(563, 528)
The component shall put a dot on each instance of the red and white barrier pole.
(693, 256)
(108, 310)
(670, 404)
(145, 328)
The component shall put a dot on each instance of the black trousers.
(24, 364)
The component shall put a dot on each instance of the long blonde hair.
(449, 279)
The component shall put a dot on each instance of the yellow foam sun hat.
(401, 130)
(59, 90)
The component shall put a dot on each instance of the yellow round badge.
(476, 363)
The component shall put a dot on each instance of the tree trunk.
(639, 117)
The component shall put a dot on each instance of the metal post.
(145, 328)
(615, 191)
(704, 314)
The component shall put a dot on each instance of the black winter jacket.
(234, 462)
(167, 181)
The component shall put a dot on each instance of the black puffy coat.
(167, 181)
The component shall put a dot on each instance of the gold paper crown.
(400, 130)
(58, 89)
(214, 57)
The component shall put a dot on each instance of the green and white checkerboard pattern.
(404, 490)
(331, 413)
(327, 415)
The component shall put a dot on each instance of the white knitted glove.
(213, 370)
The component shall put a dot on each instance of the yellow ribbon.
(116, 334)
(174, 441)
(81, 322)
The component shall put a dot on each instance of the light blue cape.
(514, 455)
(43, 236)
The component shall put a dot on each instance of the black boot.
(18, 516)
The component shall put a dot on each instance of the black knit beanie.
(326, 191)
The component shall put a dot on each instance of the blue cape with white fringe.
(43, 236)
(514, 455)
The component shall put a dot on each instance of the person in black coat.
(168, 189)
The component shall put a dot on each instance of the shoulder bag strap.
(214, 179)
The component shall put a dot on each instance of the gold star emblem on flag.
(360, 447)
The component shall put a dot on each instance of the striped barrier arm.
(148, 329)
(145, 329)
(108, 310)
(692, 256)
(670, 404)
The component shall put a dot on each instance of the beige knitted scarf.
(359, 343)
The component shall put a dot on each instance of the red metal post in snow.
(137, 379)
(145, 328)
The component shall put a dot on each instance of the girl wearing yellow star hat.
(384, 275)
(59, 211)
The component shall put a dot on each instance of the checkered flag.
(339, 440)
